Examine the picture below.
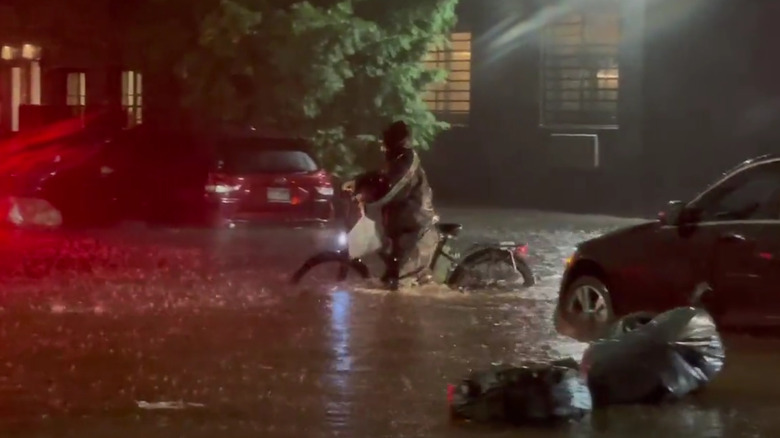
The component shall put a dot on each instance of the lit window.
(580, 75)
(7, 53)
(451, 98)
(31, 52)
(25, 89)
(132, 91)
(77, 89)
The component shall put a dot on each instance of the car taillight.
(222, 184)
(324, 190)
(324, 187)
(521, 250)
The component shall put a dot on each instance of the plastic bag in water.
(676, 353)
(30, 212)
(533, 393)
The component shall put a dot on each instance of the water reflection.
(340, 372)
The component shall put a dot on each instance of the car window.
(248, 162)
(264, 156)
(753, 194)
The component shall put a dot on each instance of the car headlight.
(341, 239)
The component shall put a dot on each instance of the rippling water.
(206, 318)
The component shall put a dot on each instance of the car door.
(768, 296)
(735, 220)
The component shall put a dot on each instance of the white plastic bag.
(364, 238)
(30, 212)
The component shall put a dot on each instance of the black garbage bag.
(676, 353)
(530, 394)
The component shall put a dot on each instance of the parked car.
(726, 239)
(167, 175)
(267, 179)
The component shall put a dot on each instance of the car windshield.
(263, 156)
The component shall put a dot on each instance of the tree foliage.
(336, 71)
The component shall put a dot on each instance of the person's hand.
(348, 186)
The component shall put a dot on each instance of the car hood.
(623, 234)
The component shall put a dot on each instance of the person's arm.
(399, 176)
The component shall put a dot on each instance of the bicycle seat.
(449, 229)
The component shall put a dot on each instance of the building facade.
(602, 105)
(60, 62)
(37, 87)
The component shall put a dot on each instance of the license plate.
(278, 195)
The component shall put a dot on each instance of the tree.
(336, 71)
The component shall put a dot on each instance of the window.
(752, 194)
(7, 53)
(76, 89)
(580, 74)
(269, 161)
(451, 98)
(132, 91)
(25, 89)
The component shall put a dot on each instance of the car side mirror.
(672, 214)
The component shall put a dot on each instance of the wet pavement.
(94, 324)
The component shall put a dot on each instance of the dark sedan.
(726, 240)
(261, 179)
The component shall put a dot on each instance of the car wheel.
(586, 306)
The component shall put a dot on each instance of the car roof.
(761, 159)
(745, 165)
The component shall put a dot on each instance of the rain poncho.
(403, 214)
(532, 393)
(409, 215)
(676, 353)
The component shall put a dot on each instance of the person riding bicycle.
(407, 210)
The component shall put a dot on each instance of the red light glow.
(30, 150)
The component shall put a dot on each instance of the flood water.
(206, 319)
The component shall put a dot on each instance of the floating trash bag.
(30, 212)
(674, 354)
(530, 394)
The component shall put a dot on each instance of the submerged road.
(100, 330)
